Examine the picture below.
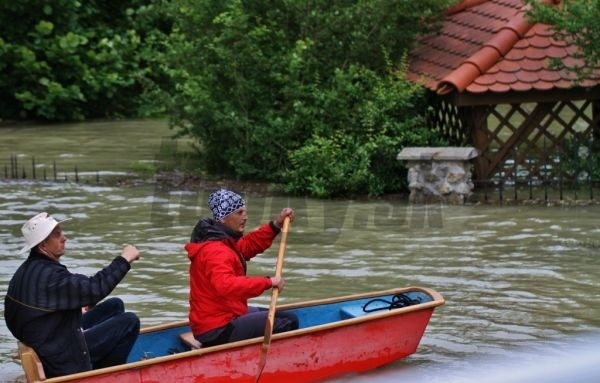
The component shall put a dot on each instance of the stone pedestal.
(439, 174)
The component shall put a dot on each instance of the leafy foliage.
(581, 160)
(574, 21)
(309, 93)
(71, 60)
(353, 150)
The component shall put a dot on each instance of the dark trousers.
(110, 332)
(248, 326)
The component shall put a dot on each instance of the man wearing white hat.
(44, 303)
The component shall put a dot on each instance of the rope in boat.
(398, 300)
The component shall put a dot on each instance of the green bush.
(71, 60)
(353, 150)
(310, 94)
(580, 160)
(575, 22)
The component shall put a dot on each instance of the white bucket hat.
(37, 229)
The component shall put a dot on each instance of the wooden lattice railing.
(528, 143)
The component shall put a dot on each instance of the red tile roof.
(489, 46)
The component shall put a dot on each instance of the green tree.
(574, 21)
(309, 93)
(70, 60)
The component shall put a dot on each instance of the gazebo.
(487, 70)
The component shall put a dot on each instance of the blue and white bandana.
(224, 202)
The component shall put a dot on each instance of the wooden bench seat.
(32, 366)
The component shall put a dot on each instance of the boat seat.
(32, 366)
(355, 311)
(188, 339)
(349, 312)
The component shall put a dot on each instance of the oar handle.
(284, 233)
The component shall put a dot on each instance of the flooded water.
(522, 283)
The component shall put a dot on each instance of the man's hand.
(278, 282)
(285, 212)
(130, 253)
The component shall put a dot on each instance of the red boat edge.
(308, 354)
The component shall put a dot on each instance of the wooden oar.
(274, 295)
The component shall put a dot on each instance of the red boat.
(336, 336)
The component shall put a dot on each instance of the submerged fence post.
(14, 169)
(560, 176)
(590, 170)
(545, 172)
(530, 182)
(516, 197)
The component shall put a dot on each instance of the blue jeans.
(250, 325)
(109, 332)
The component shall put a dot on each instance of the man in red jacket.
(219, 286)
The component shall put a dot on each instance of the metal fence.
(506, 191)
(568, 175)
(15, 169)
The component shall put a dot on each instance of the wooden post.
(500, 190)
(476, 120)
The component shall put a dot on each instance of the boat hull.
(306, 355)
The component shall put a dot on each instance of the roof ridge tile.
(489, 46)
(490, 53)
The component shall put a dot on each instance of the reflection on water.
(91, 145)
(512, 277)
(575, 359)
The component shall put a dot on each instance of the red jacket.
(219, 287)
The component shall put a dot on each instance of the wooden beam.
(532, 121)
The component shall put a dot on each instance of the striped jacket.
(42, 308)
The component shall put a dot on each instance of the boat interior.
(157, 342)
